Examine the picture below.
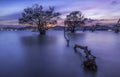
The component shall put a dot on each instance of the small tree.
(35, 15)
(74, 19)
(117, 27)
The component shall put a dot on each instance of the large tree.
(74, 19)
(36, 15)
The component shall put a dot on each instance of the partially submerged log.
(81, 47)
(90, 64)
(89, 61)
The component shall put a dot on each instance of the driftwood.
(89, 62)
(85, 48)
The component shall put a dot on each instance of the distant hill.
(58, 28)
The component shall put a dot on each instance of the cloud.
(114, 2)
(10, 17)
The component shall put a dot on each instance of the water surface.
(27, 54)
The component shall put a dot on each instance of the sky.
(10, 10)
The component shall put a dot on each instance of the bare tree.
(74, 19)
(36, 15)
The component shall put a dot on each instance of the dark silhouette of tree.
(36, 15)
(74, 19)
(117, 27)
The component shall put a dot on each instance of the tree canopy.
(75, 18)
(36, 15)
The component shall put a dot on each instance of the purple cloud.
(114, 2)
(10, 17)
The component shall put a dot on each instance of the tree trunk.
(73, 30)
(42, 32)
(116, 31)
(41, 28)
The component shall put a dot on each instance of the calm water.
(25, 54)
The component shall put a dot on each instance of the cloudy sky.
(10, 10)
